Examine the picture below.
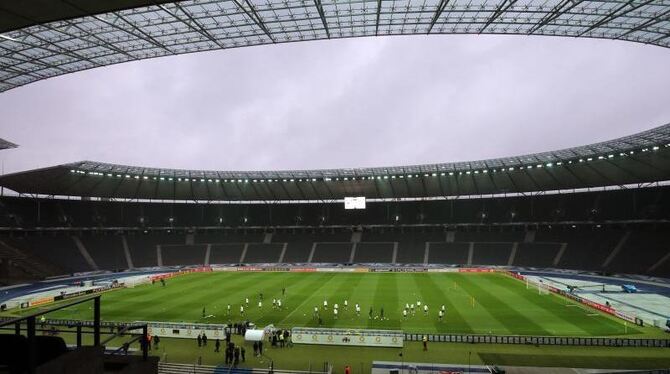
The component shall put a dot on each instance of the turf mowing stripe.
(573, 317)
(131, 304)
(151, 296)
(499, 308)
(454, 321)
(315, 298)
(234, 294)
(543, 309)
(203, 291)
(344, 293)
(386, 297)
(296, 292)
(604, 326)
(363, 294)
(253, 291)
(426, 298)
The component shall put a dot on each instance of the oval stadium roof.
(640, 158)
(40, 39)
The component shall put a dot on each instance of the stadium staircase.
(31, 266)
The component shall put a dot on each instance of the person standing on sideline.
(204, 339)
(217, 345)
(425, 342)
(243, 352)
(199, 340)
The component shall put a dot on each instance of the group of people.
(280, 338)
(233, 354)
(408, 310)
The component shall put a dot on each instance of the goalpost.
(542, 289)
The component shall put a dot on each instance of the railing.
(30, 321)
(173, 368)
(542, 340)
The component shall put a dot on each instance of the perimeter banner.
(351, 337)
(185, 330)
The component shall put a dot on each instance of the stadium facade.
(586, 211)
(619, 184)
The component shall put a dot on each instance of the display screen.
(354, 202)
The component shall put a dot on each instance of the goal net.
(533, 284)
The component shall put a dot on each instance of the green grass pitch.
(475, 303)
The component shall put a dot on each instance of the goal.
(542, 288)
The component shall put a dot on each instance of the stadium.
(557, 261)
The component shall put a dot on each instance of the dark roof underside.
(636, 159)
(24, 13)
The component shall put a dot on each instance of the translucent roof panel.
(59, 47)
(659, 136)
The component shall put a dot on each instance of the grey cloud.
(342, 103)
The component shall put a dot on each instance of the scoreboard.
(354, 202)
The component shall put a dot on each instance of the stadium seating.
(106, 250)
(143, 246)
(449, 253)
(263, 253)
(29, 264)
(181, 254)
(608, 231)
(587, 248)
(54, 247)
(367, 252)
(539, 255)
(640, 251)
(218, 236)
(332, 252)
(601, 206)
(229, 253)
(492, 253)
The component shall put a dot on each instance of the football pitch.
(475, 303)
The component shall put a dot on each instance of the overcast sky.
(343, 103)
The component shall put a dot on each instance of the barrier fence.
(416, 337)
(541, 340)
